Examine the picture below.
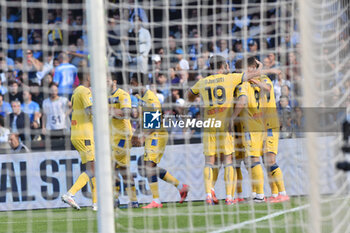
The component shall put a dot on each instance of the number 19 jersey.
(217, 94)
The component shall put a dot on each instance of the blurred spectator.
(56, 110)
(5, 107)
(77, 31)
(183, 63)
(78, 52)
(163, 85)
(172, 50)
(174, 77)
(293, 68)
(4, 134)
(18, 121)
(277, 85)
(222, 49)
(285, 91)
(3, 89)
(14, 93)
(8, 61)
(65, 75)
(254, 28)
(253, 49)
(135, 10)
(16, 144)
(285, 116)
(45, 68)
(144, 43)
(34, 65)
(31, 108)
(54, 32)
(298, 122)
(37, 93)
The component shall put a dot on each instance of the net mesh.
(166, 45)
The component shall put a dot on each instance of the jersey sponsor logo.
(215, 110)
(113, 100)
(151, 120)
(74, 122)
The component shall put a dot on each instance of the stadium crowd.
(44, 68)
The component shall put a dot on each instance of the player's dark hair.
(251, 61)
(140, 78)
(216, 62)
(54, 84)
(239, 65)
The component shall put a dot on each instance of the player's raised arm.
(254, 69)
(263, 85)
(240, 105)
(123, 113)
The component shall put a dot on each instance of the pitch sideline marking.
(239, 225)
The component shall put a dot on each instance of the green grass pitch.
(187, 217)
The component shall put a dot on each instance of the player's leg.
(253, 145)
(90, 171)
(209, 149)
(216, 169)
(121, 154)
(84, 178)
(208, 177)
(276, 175)
(239, 189)
(274, 171)
(230, 178)
(130, 189)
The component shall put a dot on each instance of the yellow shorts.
(155, 145)
(217, 143)
(121, 146)
(271, 141)
(253, 143)
(86, 149)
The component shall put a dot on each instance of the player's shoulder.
(265, 78)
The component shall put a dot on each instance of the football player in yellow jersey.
(155, 142)
(82, 137)
(271, 137)
(217, 92)
(249, 108)
(121, 132)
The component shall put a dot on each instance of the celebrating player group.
(243, 101)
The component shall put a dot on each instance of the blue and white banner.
(37, 180)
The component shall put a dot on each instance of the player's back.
(151, 101)
(252, 115)
(81, 126)
(217, 92)
(120, 99)
(268, 104)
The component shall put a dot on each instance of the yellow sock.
(215, 175)
(154, 189)
(170, 179)
(228, 177)
(208, 178)
(79, 184)
(131, 193)
(93, 189)
(239, 180)
(117, 189)
(277, 177)
(258, 178)
(273, 186)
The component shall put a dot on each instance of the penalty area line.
(242, 224)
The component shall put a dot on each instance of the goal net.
(156, 51)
